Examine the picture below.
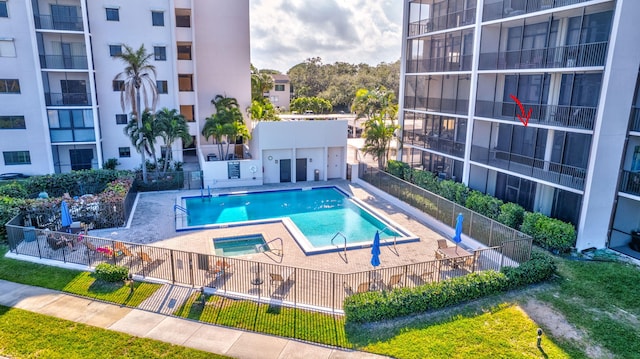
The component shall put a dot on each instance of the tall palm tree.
(172, 126)
(139, 82)
(378, 134)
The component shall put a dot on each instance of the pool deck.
(153, 223)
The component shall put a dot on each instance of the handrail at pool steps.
(345, 243)
(277, 251)
(395, 238)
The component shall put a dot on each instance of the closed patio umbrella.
(375, 250)
(66, 216)
(457, 237)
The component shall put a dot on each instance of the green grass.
(603, 300)
(276, 320)
(25, 334)
(73, 281)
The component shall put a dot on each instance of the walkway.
(150, 322)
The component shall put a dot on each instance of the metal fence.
(514, 244)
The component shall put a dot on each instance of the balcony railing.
(508, 8)
(435, 104)
(583, 55)
(561, 174)
(581, 117)
(448, 21)
(446, 146)
(67, 23)
(635, 119)
(67, 99)
(630, 183)
(63, 62)
(440, 64)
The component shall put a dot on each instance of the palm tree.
(226, 124)
(172, 126)
(378, 134)
(143, 136)
(139, 82)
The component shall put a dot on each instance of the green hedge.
(484, 204)
(511, 214)
(376, 306)
(76, 183)
(9, 208)
(111, 273)
(14, 189)
(549, 233)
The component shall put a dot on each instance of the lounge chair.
(276, 278)
(364, 287)
(395, 281)
(442, 243)
(347, 288)
(280, 278)
(145, 258)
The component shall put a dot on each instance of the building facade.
(59, 104)
(529, 101)
(280, 94)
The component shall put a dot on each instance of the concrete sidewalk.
(231, 342)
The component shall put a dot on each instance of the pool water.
(236, 246)
(318, 213)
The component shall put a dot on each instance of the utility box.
(316, 175)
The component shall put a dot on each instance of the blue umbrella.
(457, 237)
(375, 250)
(66, 216)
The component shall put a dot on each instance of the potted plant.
(635, 240)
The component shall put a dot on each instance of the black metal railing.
(515, 244)
(507, 8)
(440, 64)
(448, 21)
(582, 117)
(446, 146)
(558, 173)
(66, 23)
(63, 62)
(67, 99)
(635, 119)
(582, 55)
(630, 183)
(436, 104)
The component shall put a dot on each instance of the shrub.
(484, 204)
(111, 164)
(511, 214)
(550, 233)
(397, 168)
(454, 191)
(9, 208)
(14, 189)
(426, 180)
(538, 269)
(111, 273)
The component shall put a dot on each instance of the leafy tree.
(315, 104)
(263, 111)
(139, 84)
(173, 126)
(378, 134)
(226, 124)
(369, 103)
(261, 107)
(260, 83)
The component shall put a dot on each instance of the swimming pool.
(317, 215)
(239, 245)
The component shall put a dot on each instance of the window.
(160, 53)
(12, 122)
(121, 119)
(157, 18)
(3, 9)
(118, 85)
(7, 49)
(162, 86)
(184, 51)
(124, 151)
(183, 20)
(9, 86)
(279, 87)
(188, 112)
(113, 14)
(16, 158)
(185, 82)
(115, 50)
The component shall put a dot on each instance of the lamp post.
(539, 337)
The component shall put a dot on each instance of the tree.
(143, 136)
(381, 101)
(172, 127)
(138, 82)
(315, 104)
(261, 107)
(226, 124)
(378, 134)
(260, 83)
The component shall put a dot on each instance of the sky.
(287, 32)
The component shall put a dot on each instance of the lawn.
(25, 334)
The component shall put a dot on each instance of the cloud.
(287, 32)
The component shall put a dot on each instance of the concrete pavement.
(141, 323)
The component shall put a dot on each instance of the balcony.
(67, 99)
(59, 135)
(581, 117)
(63, 62)
(435, 143)
(635, 119)
(507, 8)
(434, 104)
(440, 64)
(630, 183)
(448, 21)
(584, 55)
(66, 23)
(564, 175)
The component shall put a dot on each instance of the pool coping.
(300, 239)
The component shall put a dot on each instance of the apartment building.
(573, 65)
(59, 104)
(280, 94)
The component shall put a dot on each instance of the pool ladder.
(395, 238)
(345, 243)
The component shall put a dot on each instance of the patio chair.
(276, 278)
(145, 258)
(347, 288)
(395, 281)
(364, 287)
(442, 243)
(91, 248)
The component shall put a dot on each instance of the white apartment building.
(59, 106)
(572, 63)
(280, 94)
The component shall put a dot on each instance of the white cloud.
(287, 32)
